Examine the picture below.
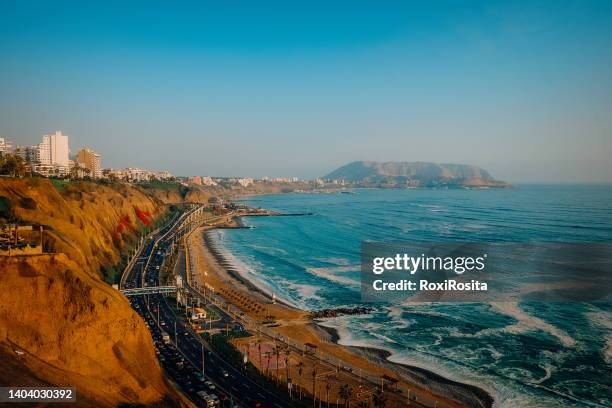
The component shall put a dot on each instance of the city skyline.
(519, 89)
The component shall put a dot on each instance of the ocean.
(525, 354)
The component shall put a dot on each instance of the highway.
(184, 356)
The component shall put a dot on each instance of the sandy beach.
(294, 346)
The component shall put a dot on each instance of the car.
(224, 373)
(210, 385)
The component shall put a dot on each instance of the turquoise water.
(524, 354)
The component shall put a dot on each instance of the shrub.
(28, 203)
(6, 211)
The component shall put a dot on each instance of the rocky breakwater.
(340, 311)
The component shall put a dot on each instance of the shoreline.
(427, 378)
(433, 383)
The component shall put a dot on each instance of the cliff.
(414, 174)
(60, 323)
(171, 193)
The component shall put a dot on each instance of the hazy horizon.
(522, 90)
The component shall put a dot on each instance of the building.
(245, 182)
(195, 180)
(5, 146)
(197, 313)
(29, 154)
(54, 151)
(134, 174)
(208, 181)
(90, 160)
(164, 175)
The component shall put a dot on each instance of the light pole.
(203, 362)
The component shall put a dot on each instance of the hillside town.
(53, 157)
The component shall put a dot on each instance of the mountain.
(414, 174)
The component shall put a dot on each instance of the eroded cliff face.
(91, 223)
(60, 323)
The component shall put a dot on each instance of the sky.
(522, 89)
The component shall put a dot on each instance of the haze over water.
(524, 354)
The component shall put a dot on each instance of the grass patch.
(159, 185)
(59, 184)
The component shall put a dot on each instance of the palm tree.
(267, 355)
(300, 368)
(345, 394)
(287, 368)
(277, 353)
(314, 380)
(260, 363)
(76, 171)
(12, 165)
(380, 399)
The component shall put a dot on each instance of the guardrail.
(149, 290)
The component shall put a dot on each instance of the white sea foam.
(333, 274)
(432, 207)
(603, 320)
(396, 314)
(526, 323)
(305, 291)
(354, 331)
(250, 274)
(337, 261)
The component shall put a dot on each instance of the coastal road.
(184, 359)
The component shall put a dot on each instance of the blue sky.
(522, 89)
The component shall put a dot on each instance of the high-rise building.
(54, 150)
(29, 154)
(5, 146)
(91, 161)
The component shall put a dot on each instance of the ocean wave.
(602, 319)
(335, 261)
(331, 274)
(526, 323)
(305, 292)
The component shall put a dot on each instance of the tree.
(300, 369)
(345, 394)
(12, 165)
(287, 367)
(277, 353)
(79, 171)
(380, 399)
(314, 381)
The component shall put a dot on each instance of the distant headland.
(414, 174)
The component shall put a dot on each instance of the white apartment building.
(54, 150)
(5, 145)
(245, 182)
(208, 181)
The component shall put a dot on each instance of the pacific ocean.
(525, 354)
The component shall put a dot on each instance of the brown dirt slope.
(91, 223)
(60, 324)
